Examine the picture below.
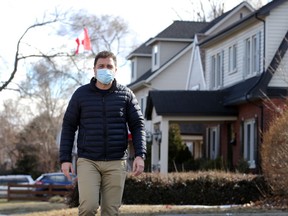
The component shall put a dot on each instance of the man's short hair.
(105, 54)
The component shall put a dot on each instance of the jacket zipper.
(104, 128)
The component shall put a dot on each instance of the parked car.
(15, 179)
(56, 178)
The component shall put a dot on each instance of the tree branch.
(17, 58)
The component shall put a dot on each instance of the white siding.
(233, 17)
(167, 50)
(280, 78)
(239, 40)
(143, 65)
(174, 77)
(277, 26)
(141, 93)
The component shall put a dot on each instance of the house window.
(217, 70)
(250, 142)
(213, 142)
(143, 104)
(155, 55)
(232, 61)
(252, 55)
(133, 75)
(256, 53)
(247, 57)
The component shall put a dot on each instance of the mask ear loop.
(95, 71)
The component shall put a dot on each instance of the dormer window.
(155, 57)
(133, 70)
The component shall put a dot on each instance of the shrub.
(242, 166)
(191, 188)
(194, 188)
(274, 154)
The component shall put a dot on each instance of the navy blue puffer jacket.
(101, 121)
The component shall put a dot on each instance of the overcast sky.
(145, 19)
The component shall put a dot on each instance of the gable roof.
(263, 11)
(177, 30)
(149, 75)
(218, 21)
(142, 50)
(187, 103)
(216, 103)
(182, 29)
(256, 87)
(141, 79)
(262, 85)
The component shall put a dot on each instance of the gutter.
(263, 57)
(257, 84)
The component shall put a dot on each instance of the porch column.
(164, 127)
(155, 156)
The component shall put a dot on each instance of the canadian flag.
(83, 42)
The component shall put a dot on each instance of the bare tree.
(255, 3)
(202, 11)
(11, 122)
(40, 135)
(106, 32)
(217, 8)
(208, 10)
(20, 56)
(48, 86)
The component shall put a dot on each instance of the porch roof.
(187, 103)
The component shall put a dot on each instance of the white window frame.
(133, 70)
(217, 70)
(247, 57)
(252, 59)
(143, 104)
(250, 142)
(213, 142)
(155, 56)
(232, 59)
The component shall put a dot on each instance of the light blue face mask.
(105, 76)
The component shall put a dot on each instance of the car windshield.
(13, 181)
(59, 178)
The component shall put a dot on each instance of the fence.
(36, 192)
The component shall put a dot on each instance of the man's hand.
(66, 167)
(138, 166)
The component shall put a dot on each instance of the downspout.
(259, 80)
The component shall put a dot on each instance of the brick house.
(230, 78)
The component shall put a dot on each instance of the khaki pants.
(100, 178)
